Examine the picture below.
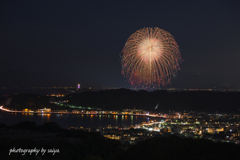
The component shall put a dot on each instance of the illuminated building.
(26, 110)
(78, 86)
(44, 110)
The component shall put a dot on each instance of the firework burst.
(150, 58)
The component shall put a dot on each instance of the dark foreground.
(78, 144)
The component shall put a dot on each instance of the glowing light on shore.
(1, 108)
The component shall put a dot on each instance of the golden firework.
(150, 58)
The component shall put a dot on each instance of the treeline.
(180, 101)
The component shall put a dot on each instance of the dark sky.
(62, 43)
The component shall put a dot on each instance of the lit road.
(7, 110)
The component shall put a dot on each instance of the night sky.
(62, 43)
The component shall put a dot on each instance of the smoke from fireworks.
(150, 58)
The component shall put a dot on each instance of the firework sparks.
(150, 58)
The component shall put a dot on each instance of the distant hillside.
(179, 101)
(30, 101)
(124, 98)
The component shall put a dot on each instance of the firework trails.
(150, 58)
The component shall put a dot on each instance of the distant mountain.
(119, 99)
(29, 101)
(185, 100)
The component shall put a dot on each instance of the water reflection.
(73, 120)
(46, 115)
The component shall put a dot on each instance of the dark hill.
(30, 101)
(125, 98)
(176, 148)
